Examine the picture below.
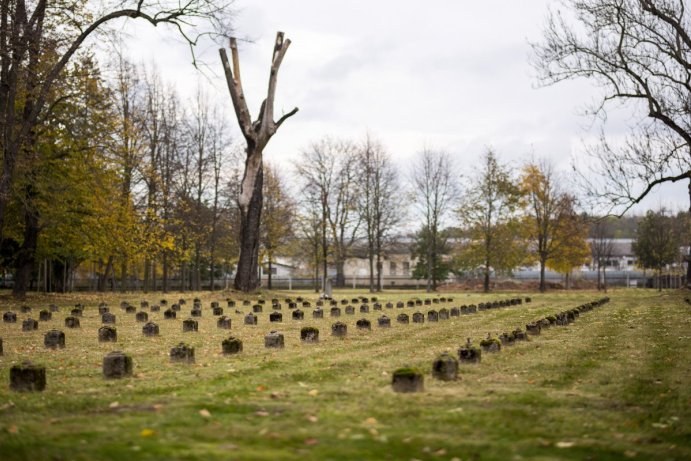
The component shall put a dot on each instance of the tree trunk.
(379, 269)
(543, 286)
(372, 288)
(316, 268)
(145, 285)
(164, 281)
(250, 205)
(123, 275)
(257, 134)
(688, 256)
(26, 256)
(340, 273)
(270, 268)
(604, 277)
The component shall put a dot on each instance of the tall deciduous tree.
(547, 206)
(572, 249)
(639, 53)
(488, 211)
(601, 248)
(656, 244)
(434, 191)
(37, 41)
(277, 223)
(379, 203)
(257, 134)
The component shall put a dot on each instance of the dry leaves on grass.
(205, 413)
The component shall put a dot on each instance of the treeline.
(126, 181)
(127, 178)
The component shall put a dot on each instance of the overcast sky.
(449, 74)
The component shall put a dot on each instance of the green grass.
(612, 385)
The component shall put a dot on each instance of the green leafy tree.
(440, 266)
(657, 243)
(488, 210)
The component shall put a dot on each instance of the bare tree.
(602, 246)
(257, 134)
(639, 53)
(327, 169)
(434, 192)
(379, 203)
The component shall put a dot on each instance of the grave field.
(614, 384)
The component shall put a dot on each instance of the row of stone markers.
(55, 338)
(118, 364)
(445, 367)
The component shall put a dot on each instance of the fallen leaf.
(147, 432)
(157, 406)
(371, 421)
(114, 404)
(261, 388)
(564, 444)
(440, 452)
(13, 429)
(313, 392)
(262, 413)
(312, 419)
(311, 441)
(6, 406)
(205, 413)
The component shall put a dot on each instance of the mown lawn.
(612, 385)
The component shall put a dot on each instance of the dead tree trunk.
(257, 135)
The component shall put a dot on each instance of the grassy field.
(612, 385)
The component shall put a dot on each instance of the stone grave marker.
(469, 353)
(54, 339)
(72, 322)
(9, 317)
(231, 346)
(335, 312)
(142, 316)
(27, 377)
(363, 324)
(384, 322)
(407, 380)
(445, 368)
(418, 317)
(224, 322)
(275, 317)
(490, 344)
(107, 334)
(250, 319)
(29, 325)
(44, 316)
(150, 329)
(274, 340)
(190, 325)
(339, 329)
(402, 318)
(309, 335)
(182, 353)
(117, 365)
